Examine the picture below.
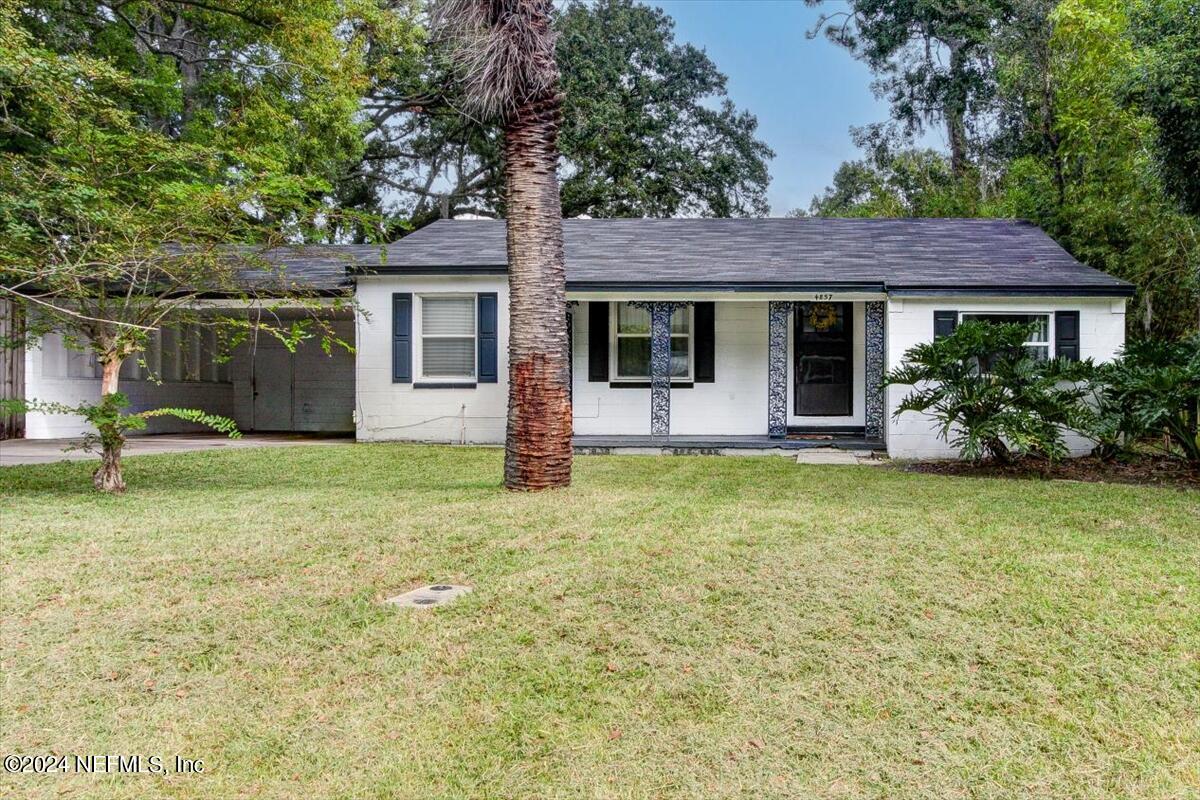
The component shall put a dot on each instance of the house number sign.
(822, 298)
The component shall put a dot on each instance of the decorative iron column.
(779, 315)
(875, 364)
(660, 363)
(660, 368)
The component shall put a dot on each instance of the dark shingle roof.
(895, 254)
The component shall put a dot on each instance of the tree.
(648, 131)
(503, 54)
(931, 56)
(1166, 83)
(117, 204)
(1083, 121)
(640, 139)
(1027, 92)
(895, 182)
(1112, 210)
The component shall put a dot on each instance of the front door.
(824, 360)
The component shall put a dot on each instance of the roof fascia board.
(1010, 291)
(726, 296)
(774, 289)
(724, 286)
(271, 300)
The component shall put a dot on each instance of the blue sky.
(806, 93)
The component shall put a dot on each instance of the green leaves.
(1165, 82)
(642, 135)
(648, 130)
(216, 422)
(1153, 390)
(639, 121)
(990, 397)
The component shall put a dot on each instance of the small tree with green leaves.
(111, 228)
(990, 396)
(111, 422)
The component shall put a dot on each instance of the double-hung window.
(1038, 344)
(447, 328)
(631, 350)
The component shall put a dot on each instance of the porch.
(726, 371)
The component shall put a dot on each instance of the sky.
(806, 93)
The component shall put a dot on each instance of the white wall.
(55, 373)
(734, 405)
(910, 321)
(321, 396)
(387, 410)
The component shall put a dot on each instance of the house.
(779, 332)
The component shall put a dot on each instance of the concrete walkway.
(46, 451)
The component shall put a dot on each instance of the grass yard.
(668, 627)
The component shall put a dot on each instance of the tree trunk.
(107, 477)
(537, 453)
(956, 112)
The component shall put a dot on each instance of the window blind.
(448, 316)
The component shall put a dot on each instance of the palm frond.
(500, 51)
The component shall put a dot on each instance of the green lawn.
(668, 627)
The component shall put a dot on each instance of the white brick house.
(779, 331)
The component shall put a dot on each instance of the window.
(448, 337)
(1039, 342)
(631, 351)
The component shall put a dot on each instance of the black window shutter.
(487, 337)
(402, 338)
(706, 342)
(1066, 335)
(597, 342)
(944, 323)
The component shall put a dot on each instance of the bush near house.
(992, 398)
(1151, 394)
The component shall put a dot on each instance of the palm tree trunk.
(537, 453)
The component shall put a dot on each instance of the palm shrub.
(1151, 392)
(990, 396)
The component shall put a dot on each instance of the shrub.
(991, 396)
(1151, 392)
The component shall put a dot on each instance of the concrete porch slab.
(829, 456)
(849, 447)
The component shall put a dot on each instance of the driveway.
(45, 451)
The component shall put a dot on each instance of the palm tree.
(502, 54)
